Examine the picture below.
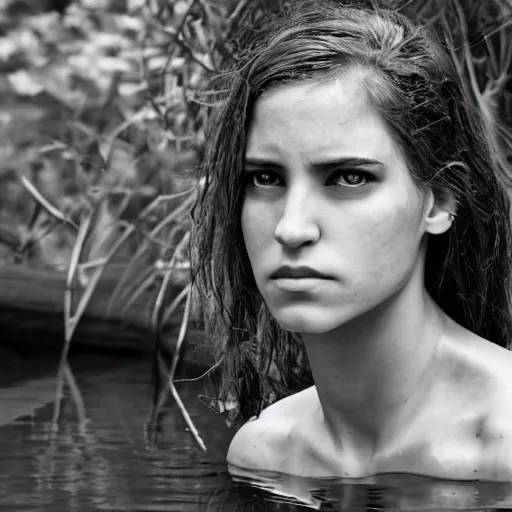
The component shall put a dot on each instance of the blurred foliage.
(102, 112)
(95, 113)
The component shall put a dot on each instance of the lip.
(287, 272)
(302, 284)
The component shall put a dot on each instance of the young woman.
(354, 224)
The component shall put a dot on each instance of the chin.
(313, 322)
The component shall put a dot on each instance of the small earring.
(451, 216)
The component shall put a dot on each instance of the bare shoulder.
(498, 363)
(496, 447)
(496, 435)
(265, 443)
(487, 372)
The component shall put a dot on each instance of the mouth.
(303, 272)
(300, 284)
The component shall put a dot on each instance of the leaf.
(24, 83)
(95, 4)
(134, 5)
(7, 48)
(131, 89)
(130, 23)
(43, 202)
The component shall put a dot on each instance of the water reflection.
(272, 491)
(108, 463)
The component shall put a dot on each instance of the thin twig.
(203, 375)
(69, 319)
(45, 203)
(133, 293)
(174, 304)
(77, 398)
(187, 203)
(174, 365)
(155, 319)
(73, 265)
(404, 5)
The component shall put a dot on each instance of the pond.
(108, 462)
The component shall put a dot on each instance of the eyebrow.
(324, 166)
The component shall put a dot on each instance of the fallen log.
(31, 314)
(42, 290)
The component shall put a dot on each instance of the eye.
(263, 179)
(352, 179)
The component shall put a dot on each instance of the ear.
(440, 210)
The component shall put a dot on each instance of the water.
(108, 462)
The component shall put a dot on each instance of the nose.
(297, 225)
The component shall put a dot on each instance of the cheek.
(257, 228)
(389, 242)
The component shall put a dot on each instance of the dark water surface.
(107, 462)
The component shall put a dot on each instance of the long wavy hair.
(413, 83)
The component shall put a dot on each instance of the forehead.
(313, 119)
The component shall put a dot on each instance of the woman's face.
(327, 187)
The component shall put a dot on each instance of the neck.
(371, 373)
